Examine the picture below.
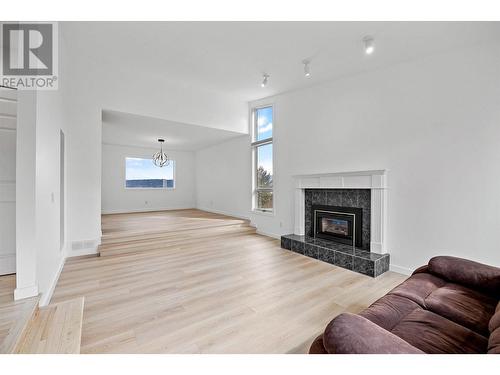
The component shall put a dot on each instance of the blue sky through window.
(144, 169)
(264, 123)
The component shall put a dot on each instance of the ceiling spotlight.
(307, 68)
(369, 44)
(264, 80)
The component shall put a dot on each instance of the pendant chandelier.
(160, 159)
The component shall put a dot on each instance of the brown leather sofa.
(450, 305)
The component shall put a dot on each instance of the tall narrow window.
(262, 150)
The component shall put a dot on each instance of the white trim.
(26, 292)
(264, 213)
(7, 191)
(372, 179)
(401, 270)
(150, 188)
(7, 264)
(152, 209)
(221, 212)
(7, 100)
(45, 298)
(8, 115)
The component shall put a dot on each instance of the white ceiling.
(231, 57)
(227, 59)
(127, 129)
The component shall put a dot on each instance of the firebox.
(339, 224)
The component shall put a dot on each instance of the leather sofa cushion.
(388, 311)
(455, 302)
(418, 287)
(462, 305)
(435, 334)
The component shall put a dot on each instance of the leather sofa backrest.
(474, 275)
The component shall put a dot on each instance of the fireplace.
(333, 212)
(339, 224)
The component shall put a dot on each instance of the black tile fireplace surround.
(352, 198)
(359, 258)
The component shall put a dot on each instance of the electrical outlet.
(146, 203)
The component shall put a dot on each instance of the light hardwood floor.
(14, 315)
(189, 292)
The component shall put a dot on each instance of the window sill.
(264, 213)
(148, 188)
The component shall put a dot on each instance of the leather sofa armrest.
(317, 346)
(354, 334)
(474, 275)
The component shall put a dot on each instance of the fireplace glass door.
(339, 224)
(335, 226)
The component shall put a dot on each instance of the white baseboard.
(7, 264)
(81, 252)
(272, 235)
(26, 292)
(151, 209)
(45, 298)
(401, 270)
(221, 212)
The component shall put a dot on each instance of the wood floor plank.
(182, 290)
(55, 329)
(14, 315)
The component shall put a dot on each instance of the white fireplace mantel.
(375, 180)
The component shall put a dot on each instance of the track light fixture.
(307, 68)
(369, 44)
(265, 79)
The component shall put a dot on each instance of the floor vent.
(85, 244)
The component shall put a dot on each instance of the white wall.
(26, 283)
(50, 254)
(223, 181)
(115, 198)
(39, 254)
(433, 123)
(94, 86)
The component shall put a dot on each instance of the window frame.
(147, 188)
(255, 146)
